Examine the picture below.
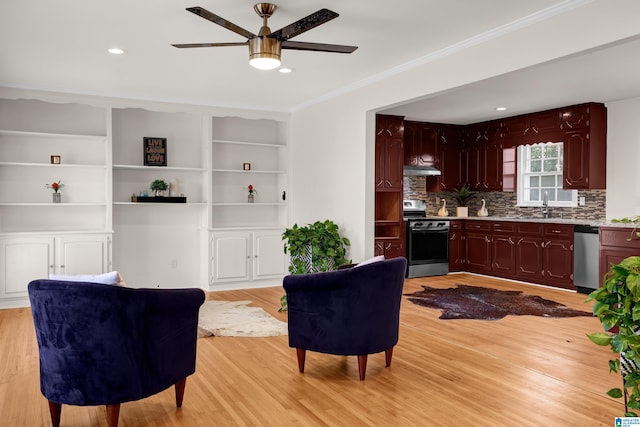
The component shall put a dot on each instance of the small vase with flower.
(252, 192)
(56, 187)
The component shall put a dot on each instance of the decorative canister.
(57, 197)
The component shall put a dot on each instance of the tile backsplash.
(504, 204)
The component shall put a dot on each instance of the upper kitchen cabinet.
(389, 153)
(452, 157)
(421, 143)
(585, 147)
(532, 128)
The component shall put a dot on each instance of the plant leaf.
(616, 393)
(600, 338)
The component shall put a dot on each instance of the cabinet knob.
(62, 266)
(51, 266)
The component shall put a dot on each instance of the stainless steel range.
(427, 241)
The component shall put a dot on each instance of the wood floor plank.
(520, 370)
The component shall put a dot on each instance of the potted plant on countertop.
(617, 306)
(313, 248)
(159, 186)
(631, 220)
(462, 196)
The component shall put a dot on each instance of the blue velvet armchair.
(105, 345)
(350, 312)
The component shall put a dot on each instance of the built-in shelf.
(159, 168)
(249, 171)
(255, 144)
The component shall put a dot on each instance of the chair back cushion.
(348, 312)
(101, 344)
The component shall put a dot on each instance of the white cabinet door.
(83, 254)
(231, 253)
(22, 260)
(269, 258)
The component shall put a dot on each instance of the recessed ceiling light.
(501, 108)
(116, 51)
(285, 70)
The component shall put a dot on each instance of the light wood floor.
(518, 371)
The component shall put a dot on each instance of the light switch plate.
(581, 201)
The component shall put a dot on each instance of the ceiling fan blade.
(183, 45)
(220, 21)
(304, 24)
(318, 47)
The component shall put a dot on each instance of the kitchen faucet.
(545, 205)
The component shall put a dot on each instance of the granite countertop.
(552, 220)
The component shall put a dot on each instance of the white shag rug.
(236, 319)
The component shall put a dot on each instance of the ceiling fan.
(265, 47)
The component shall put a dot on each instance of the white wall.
(623, 158)
(332, 157)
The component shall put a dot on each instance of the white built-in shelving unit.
(216, 240)
(37, 236)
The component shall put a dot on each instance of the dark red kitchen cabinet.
(421, 144)
(558, 263)
(390, 248)
(504, 248)
(456, 246)
(492, 165)
(529, 259)
(473, 161)
(529, 256)
(452, 158)
(585, 147)
(545, 122)
(389, 152)
(616, 244)
(478, 246)
(576, 160)
(575, 118)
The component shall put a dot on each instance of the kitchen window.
(540, 176)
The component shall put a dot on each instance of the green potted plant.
(313, 248)
(462, 196)
(159, 186)
(617, 306)
(631, 220)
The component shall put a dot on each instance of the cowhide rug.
(474, 302)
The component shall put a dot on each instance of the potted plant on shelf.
(462, 196)
(252, 193)
(617, 306)
(56, 187)
(313, 248)
(159, 186)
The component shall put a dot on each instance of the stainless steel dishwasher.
(585, 258)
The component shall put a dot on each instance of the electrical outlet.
(581, 201)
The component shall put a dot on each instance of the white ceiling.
(61, 46)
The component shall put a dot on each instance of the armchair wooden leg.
(362, 366)
(387, 355)
(180, 391)
(55, 409)
(302, 353)
(113, 412)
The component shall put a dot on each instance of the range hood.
(421, 171)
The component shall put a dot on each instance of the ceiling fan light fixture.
(264, 53)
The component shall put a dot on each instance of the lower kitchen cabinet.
(243, 256)
(529, 259)
(503, 248)
(390, 248)
(26, 258)
(533, 252)
(616, 244)
(478, 246)
(457, 256)
(558, 255)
